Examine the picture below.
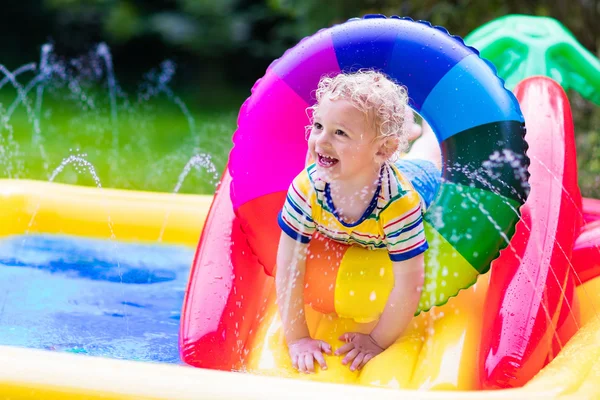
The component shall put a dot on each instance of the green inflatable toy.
(521, 46)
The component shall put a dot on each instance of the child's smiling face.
(343, 142)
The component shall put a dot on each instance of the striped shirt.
(393, 220)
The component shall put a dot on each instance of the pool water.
(98, 297)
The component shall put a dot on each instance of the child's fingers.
(320, 359)
(350, 356)
(301, 364)
(310, 363)
(357, 361)
(344, 349)
(365, 360)
(347, 337)
(326, 347)
(295, 361)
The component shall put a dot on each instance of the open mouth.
(326, 161)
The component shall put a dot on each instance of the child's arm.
(289, 284)
(402, 302)
(397, 314)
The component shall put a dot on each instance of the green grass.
(155, 140)
(153, 144)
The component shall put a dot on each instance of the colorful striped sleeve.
(402, 222)
(295, 218)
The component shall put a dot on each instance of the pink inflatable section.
(530, 307)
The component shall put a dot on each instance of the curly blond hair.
(382, 101)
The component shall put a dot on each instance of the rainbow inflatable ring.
(481, 131)
(478, 123)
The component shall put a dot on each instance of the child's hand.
(305, 350)
(360, 348)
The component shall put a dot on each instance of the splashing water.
(162, 80)
(80, 103)
(45, 72)
(484, 177)
(199, 160)
(515, 161)
(81, 163)
(104, 53)
(491, 170)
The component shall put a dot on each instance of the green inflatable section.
(494, 215)
(447, 271)
(521, 46)
(456, 257)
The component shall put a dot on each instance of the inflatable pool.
(529, 321)
(42, 374)
(531, 308)
(49, 374)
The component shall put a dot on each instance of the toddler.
(356, 192)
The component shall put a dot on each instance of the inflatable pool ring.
(477, 121)
(531, 308)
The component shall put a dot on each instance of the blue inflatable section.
(422, 56)
(469, 95)
(416, 55)
(364, 44)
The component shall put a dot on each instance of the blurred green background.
(168, 85)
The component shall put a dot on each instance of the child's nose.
(324, 139)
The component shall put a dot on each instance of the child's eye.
(340, 132)
(318, 126)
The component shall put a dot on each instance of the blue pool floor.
(97, 297)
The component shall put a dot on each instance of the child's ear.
(387, 147)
